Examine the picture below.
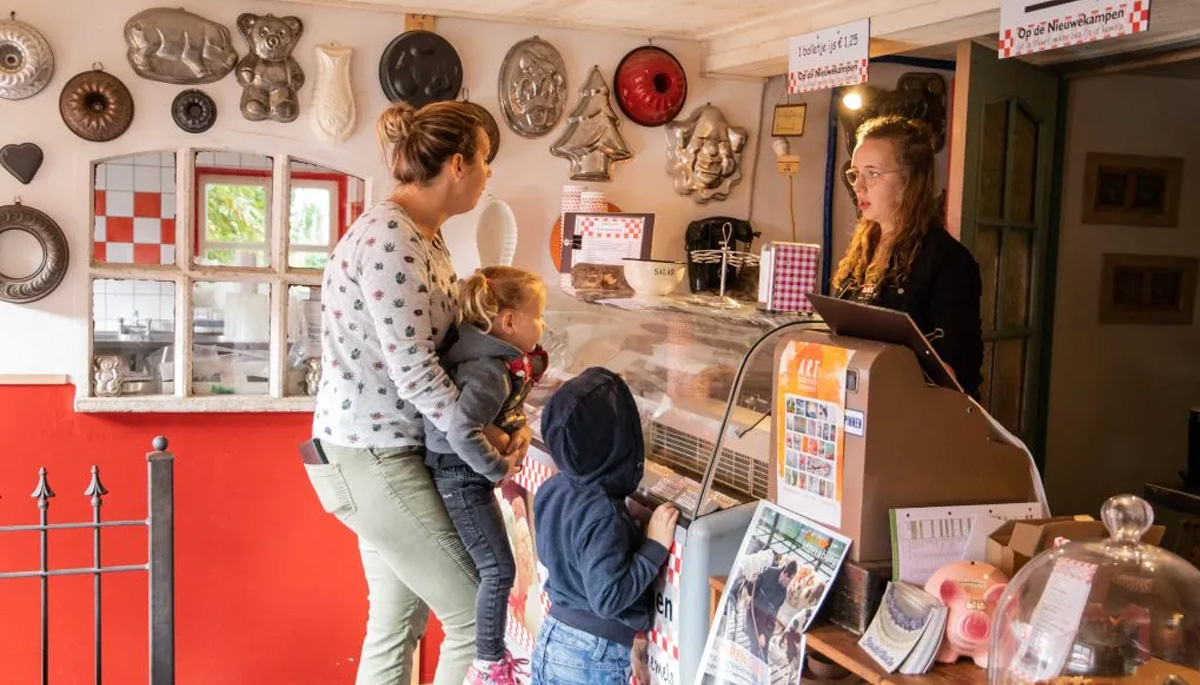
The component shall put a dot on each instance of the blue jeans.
(569, 656)
(470, 500)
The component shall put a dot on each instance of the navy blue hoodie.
(601, 566)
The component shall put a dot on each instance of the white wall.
(770, 210)
(1119, 394)
(50, 336)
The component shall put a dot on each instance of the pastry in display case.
(1101, 611)
(680, 361)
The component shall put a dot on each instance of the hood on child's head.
(594, 433)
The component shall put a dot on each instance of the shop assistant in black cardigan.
(901, 256)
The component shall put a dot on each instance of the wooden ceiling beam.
(761, 49)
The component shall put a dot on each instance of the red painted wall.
(269, 588)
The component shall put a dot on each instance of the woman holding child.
(390, 302)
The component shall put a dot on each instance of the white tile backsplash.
(119, 177)
(168, 205)
(228, 159)
(255, 162)
(168, 254)
(206, 159)
(147, 231)
(167, 179)
(118, 202)
(167, 160)
(147, 179)
(145, 287)
(148, 160)
(100, 233)
(100, 175)
(118, 253)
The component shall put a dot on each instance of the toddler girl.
(495, 361)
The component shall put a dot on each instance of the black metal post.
(42, 493)
(96, 491)
(161, 468)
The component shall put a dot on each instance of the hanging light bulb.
(852, 100)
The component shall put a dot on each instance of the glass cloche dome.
(1100, 612)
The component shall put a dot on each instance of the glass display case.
(1101, 611)
(681, 360)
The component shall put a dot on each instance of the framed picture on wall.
(1132, 190)
(1148, 289)
(789, 120)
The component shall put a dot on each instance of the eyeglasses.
(870, 176)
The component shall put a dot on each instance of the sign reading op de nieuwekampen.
(1028, 26)
(828, 58)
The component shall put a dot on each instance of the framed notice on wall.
(605, 238)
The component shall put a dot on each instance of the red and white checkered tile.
(134, 210)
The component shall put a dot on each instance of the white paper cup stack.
(593, 202)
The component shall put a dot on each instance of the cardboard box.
(1013, 544)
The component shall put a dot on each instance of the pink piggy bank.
(970, 590)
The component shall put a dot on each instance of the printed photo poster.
(527, 603)
(782, 573)
(664, 631)
(810, 422)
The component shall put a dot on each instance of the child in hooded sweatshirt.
(495, 361)
(601, 567)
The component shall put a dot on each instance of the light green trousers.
(413, 559)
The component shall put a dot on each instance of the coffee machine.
(709, 234)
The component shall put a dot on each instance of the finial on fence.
(42, 493)
(160, 444)
(95, 489)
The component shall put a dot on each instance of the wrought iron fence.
(160, 563)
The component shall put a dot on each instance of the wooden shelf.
(841, 647)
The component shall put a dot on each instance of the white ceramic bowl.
(654, 276)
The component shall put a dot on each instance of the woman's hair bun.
(397, 122)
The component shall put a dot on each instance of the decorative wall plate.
(532, 88)
(489, 125)
(96, 106)
(175, 46)
(50, 272)
(194, 111)
(22, 161)
(650, 85)
(26, 61)
(420, 67)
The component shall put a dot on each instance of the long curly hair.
(913, 142)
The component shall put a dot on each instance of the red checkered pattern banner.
(521, 636)
(818, 78)
(675, 563)
(611, 227)
(795, 269)
(532, 475)
(1075, 28)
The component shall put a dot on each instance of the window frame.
(245, 177)
(185, 273)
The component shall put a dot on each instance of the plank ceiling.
(749, 37)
